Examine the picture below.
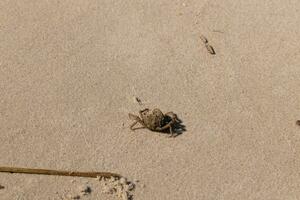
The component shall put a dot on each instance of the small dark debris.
(77, 197)
(87, 190)
(138, 100)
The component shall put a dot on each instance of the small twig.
(58, 172)
(204, 39)
(209, 48)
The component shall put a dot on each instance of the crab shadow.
(178, 127)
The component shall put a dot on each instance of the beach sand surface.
(70, 72)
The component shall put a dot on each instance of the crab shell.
(153, 119)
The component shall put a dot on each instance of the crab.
(155, 120)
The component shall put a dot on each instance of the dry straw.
(58, 172)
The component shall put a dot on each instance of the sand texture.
(70, 72)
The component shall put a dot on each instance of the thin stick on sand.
(58, 172)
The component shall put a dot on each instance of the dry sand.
(69, 72)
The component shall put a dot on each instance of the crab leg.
(137, 120)
(165, 127)
(132, 125)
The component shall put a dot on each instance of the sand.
(70, 72)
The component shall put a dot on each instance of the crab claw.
(133, 117)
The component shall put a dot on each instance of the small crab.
(154, 120)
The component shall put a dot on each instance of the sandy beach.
(70, 72)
